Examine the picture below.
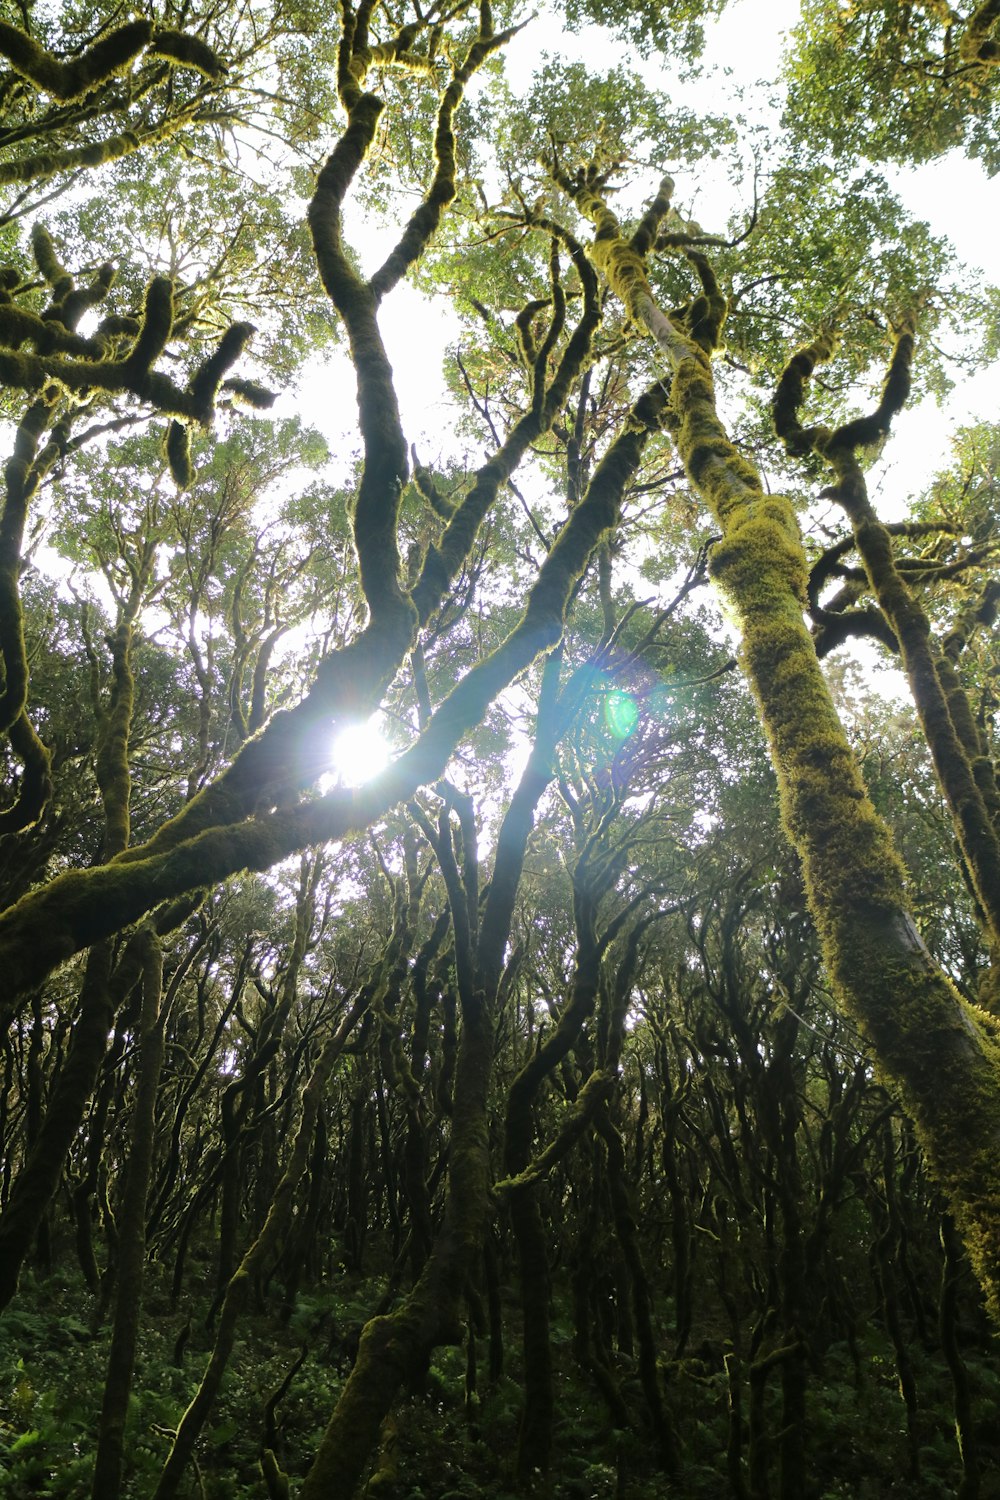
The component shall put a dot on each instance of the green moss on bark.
(69, 81)
(939, 1054)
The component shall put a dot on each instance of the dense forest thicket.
(603, 1098)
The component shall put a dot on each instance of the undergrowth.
(445, 1441)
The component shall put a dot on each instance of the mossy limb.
(45, 164)
(69, 81)
(945, 715)
(976, 44)
(157, 325)
(48, 261)
(207, 378)
(178, 450)
(257, 397)
(938, 1053)
(187, 51)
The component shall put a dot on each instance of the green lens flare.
(621, 713)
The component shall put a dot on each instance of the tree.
(452, 596)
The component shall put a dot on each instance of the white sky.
(941, 192)
(746, 43)
(411, 325)
(746, 46)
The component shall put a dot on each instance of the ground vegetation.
(602, 1098)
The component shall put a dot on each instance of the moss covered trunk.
(38, 1179)
(394, 1349)
(535, 1438)
(940, 1055)
(132, 1234)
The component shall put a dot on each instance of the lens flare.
(621, 714)
(359, 753)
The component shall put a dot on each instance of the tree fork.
(964, 772)
(940, 1054)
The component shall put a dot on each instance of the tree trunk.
(132, 1234)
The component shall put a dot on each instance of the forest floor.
(446, 1442)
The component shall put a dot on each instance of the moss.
(646, 233)
(791, 392)
(523, 329)
(178, 451)
(385, 470)
(275, 1479)
(389, 1352)
(22, 478)
(939, 1055)
(69, 81)
(976, 44)
(45, 164)
(927, 1043)
(725, 476)
(249, 393)
(598, 1088)
(18, 326)
(385, 466)
(706, 316)
(157, 324)
(424, 481)
(425, 220)
(49, 263)
(868, 430)
(187, 51)
(205, 385)
(945, 714)
(119, 325)
(112, 760)
(81, 299)
(36, 778)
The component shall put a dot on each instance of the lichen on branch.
(964, 771)
(936, 1051)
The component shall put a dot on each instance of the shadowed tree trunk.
(941, 1056)
(132, 1229)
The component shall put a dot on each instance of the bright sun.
(359, 753)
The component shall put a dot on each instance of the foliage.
(597, 1100)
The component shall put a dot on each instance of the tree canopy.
(643, 1006)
